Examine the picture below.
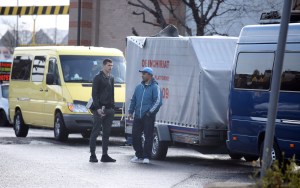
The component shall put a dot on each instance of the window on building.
(21, 68)
(254, 70)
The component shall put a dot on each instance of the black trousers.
(105, 124)
(140, 126)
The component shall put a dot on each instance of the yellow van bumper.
(78, 123)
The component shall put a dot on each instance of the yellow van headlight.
(77, 108)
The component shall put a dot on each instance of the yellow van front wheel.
(60, 130)
(21, 130)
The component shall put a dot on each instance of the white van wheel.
(60, 131)
(21, 130)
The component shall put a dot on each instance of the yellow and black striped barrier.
(34, 10)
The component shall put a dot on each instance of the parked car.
(4, 116)
(250, 93)
(50, 87)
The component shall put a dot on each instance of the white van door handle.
(46, 90)
(41, 89)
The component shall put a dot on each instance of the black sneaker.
(107, 159)
(93, 159)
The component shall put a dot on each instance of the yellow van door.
(37, 93)
(20, 87)
(53, 94)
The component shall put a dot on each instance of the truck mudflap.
(163, 132)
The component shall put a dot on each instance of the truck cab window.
(54, 70)
(290, 78)
(254, 71)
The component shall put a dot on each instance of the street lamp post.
(33, 32)
(275, 87)
(17, 32)
(79, 23)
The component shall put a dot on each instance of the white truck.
(194, 75)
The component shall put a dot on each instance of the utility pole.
(79, 23)
(33, 32)
(275, 87)
(17, 33)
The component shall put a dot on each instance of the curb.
(229, 185)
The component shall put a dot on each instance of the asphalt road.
(40, 161)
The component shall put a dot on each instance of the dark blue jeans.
(140, 126)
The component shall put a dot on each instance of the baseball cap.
(147, 70)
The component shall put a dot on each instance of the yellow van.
(50, 87)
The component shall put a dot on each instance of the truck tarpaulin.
(193, 73)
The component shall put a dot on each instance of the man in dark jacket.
(145, 103)
(104, 103)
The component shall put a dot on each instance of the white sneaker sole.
(140, 161)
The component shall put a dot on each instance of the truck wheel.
(235, 156)
(159, 148)
(250, 158)
(21, 130)
(86, 134)
(60, 130)
(3, 119)
(275, 154)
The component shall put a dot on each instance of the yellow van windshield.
(82, 69)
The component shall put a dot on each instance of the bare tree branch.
(214, 13)
(172, 9)
(201, 12)
(144, 18)
(156, 12)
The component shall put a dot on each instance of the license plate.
(116, 124)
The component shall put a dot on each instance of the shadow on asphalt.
(114, 141)
(214, 162)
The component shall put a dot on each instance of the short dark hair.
(105, 61)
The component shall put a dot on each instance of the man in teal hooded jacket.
(145, 103)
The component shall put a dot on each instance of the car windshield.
(4, 91)
(82, 69)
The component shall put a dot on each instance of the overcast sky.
(26, 22)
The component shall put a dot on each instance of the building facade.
(107, 23)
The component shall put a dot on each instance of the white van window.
(254, 70)
(54, 70)
(21, 68)
(82, 69)
(4, 91)
(38, 68)
(290, 80)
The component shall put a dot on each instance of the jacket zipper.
(142, 102)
